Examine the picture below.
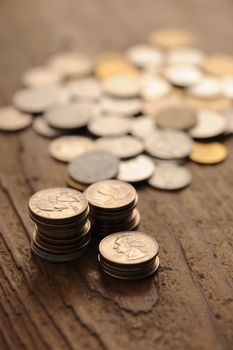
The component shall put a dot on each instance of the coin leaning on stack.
(62, 231)
(112, 207)
(129, 255)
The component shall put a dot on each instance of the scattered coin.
(85, 89)
(137, 169)
(154, 88)
(40, 76)
(69, 116)
(144, 56)
(208, 153)
(42, 128)
(171, 37)
(122, 86)
(109, 126)
(229, 120)
(185, 55)
(121, 146)
(110, 66)
(209, 124)
(13, 120)
(93, 166)
(120, 106)
(169, 144)
(183, 75)
(66, 148)
(180, 118)
(142, 127)
(219, 64)
(227, 87)
(208, 87)
(170, 177)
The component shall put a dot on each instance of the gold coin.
(219, 64)
(114, 66)
(216, 104)
(74, 184)
(208, 153)
(171, 37)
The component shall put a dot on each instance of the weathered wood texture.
(189, 303)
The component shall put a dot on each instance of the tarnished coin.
(42, 128)
(93, 166)
(40, 76)
(170, 177)
(169, 144)
(185, 55)
(183, 75)
(219, 64)
(154, 88)
(13, 120)
(176, 117)
(85, 89)
(122, 86)
(71, 64)
(209, 124)
(66, 148)
(227, 87)
(57, 204)
(109, 126)
(142, 127)
(69, 116)
(121, 146)
(229, 119)
(144, 56)
(136, 170)
(208, 87)
(171, 37)
(208, 153)
(120, 106)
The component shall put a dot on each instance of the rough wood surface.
(189, 303)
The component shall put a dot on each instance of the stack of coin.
(112, 207)
(129, 255)
(62, 231)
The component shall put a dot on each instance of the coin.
(40, 76)
(109, 126)
(120, 106)
(219, 64)
(13, 120)
(121, 146)
(76, 185)
(70, 116)
(208, 87)
(136, 170)
(171, 37)
(229, 119)
(185, 55)
(169, 144)
(227, 87)
(208, 153)
(42, 128)
(66, 148)
(144, 56)
(183, 75)
(170, 177)
(122, 86)
(154, 87)
(110, 66)
(217, 104)
(176, 117)
(93, 166)
(85, 89)
(209, 124)
(142, 127)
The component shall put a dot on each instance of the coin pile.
(112, 207)
(129, 255)
(62, 231)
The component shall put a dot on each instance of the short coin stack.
(62, 225)
(129, 255)
(112, 207)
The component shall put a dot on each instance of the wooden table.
(189, 303)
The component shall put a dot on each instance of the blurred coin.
(111, 66)
(136, 170)
(153, 107)
(144, 55)
(208, 87)
(217, 104)
(66, 148)
(93, 166)
(75, 184)
(219, 64)
(40, 76)
(13, 120)
(154, 87)
(185, 55)
(183, 75)
(142, 127)
(208, 153)
(170, 177)
(169, 144)
(71, 64)
(69, 116)
(122, 86)
(121, 107)
(42, 128)
(121, 146)
(209, 124)
(109, 126)
(229, 120)
(171, 37)
(176, 117)
(85, 89)
(227, 87)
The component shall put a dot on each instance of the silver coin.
(142, 127)
(42, 128)
(227, 87)
(40, 76)
(209, 124)
(122, 86)
(183, 75)
(144, 55)
(208, 88)
(69, 116)
(154, 88)
(121, 147)
(170, 177)
(66, 148)
(176, 117)
(169, 144)
(93, 166)
(13, 120)
(185, 55)
(229, 119)
(109, 126)
(123, 107)
(85, 89)
(137, 169)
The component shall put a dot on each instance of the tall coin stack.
(112, 207)
(62, 230)
(129, 255)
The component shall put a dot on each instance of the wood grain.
(189, 303)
